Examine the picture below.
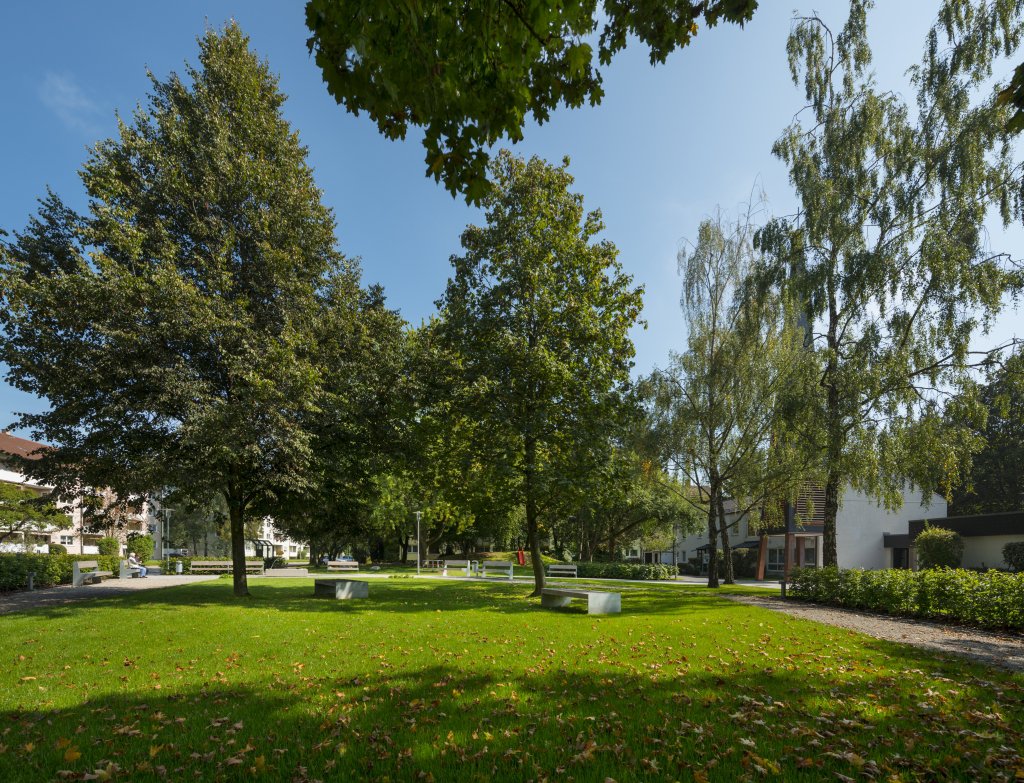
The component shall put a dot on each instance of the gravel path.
(996, 649)
(65, 594)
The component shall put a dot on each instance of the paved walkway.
(66, 594)
(996, 649)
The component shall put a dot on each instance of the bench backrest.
(562, 568)
(458, 563)
(502, 564)
(222, 563)
(87, 564)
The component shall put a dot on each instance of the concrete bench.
(466, 567)
(340, 588)
(597, 602)
(126, 571)
(503, 567)
(80, 576)
(223, 567)
(342, 565)
(562, 569)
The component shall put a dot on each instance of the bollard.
(783, 583)
(31, 580)
(178, 567)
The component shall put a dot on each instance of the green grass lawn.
(469, 681)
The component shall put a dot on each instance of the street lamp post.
(419, 555)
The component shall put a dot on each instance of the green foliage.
(52, 569)
(142, 546)
(57, 549)
(472, 73)
(1013, 555)
(992, 599)
(109, 546)
(996, 480)
(889, 256)
(722, 411)
(938, 547)
(24, 510)
(537, 317)
(202, 282)
(625, 571)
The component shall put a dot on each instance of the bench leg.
(554, 601)
(604, 603)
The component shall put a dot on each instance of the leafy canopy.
(471, 73)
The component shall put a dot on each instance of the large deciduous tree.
(888, 254)
(24, 510)
(173, 329)
(996, 479)
(470, 74)
(723, 410)
(538, 314)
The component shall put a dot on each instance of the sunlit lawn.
(469, 681)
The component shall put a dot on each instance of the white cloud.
(61, 94)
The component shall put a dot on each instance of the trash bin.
(177, 567)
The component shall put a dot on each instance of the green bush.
(58, 549)
(142, 546)
(938, 547)
(625, 571)
(992, 599)
(49, 570)
(1013, 554)
(108, 545)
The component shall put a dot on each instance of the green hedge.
(625, 571)
(992, 599)
(50, 570)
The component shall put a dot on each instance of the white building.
(867, 534)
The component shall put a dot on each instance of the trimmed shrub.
(49, 570)
(108, 545)
(142, 546)
(992, 599)
(938, 547)
(638, 571)
(58, 549)
(1013, 554)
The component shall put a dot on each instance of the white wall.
(862, 522)
(986, 551)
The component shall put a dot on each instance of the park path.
(1005, 650)
(62, 595)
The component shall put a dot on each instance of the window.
(810, 556)
(67, 540)
(776, 559)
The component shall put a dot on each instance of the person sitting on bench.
(134, 562)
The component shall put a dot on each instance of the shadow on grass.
(397, 596)
(588, 719)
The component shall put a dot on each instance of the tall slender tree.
(172, 329)
(888, 254)
(538, 314)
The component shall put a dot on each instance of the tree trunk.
(723, 529)
(532, 537)
(236, 512)
(712, 541)
(830, 551)
(403, 544)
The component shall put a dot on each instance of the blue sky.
(666, 146)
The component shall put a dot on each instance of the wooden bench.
(223, 567)
(562, 569)
(340, 588)
(467, 567)
(126, 571)
(597, 602)
(80, 577)
(504, 567)
(342, 565)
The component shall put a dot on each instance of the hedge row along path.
(995, 649)
(65, 594)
